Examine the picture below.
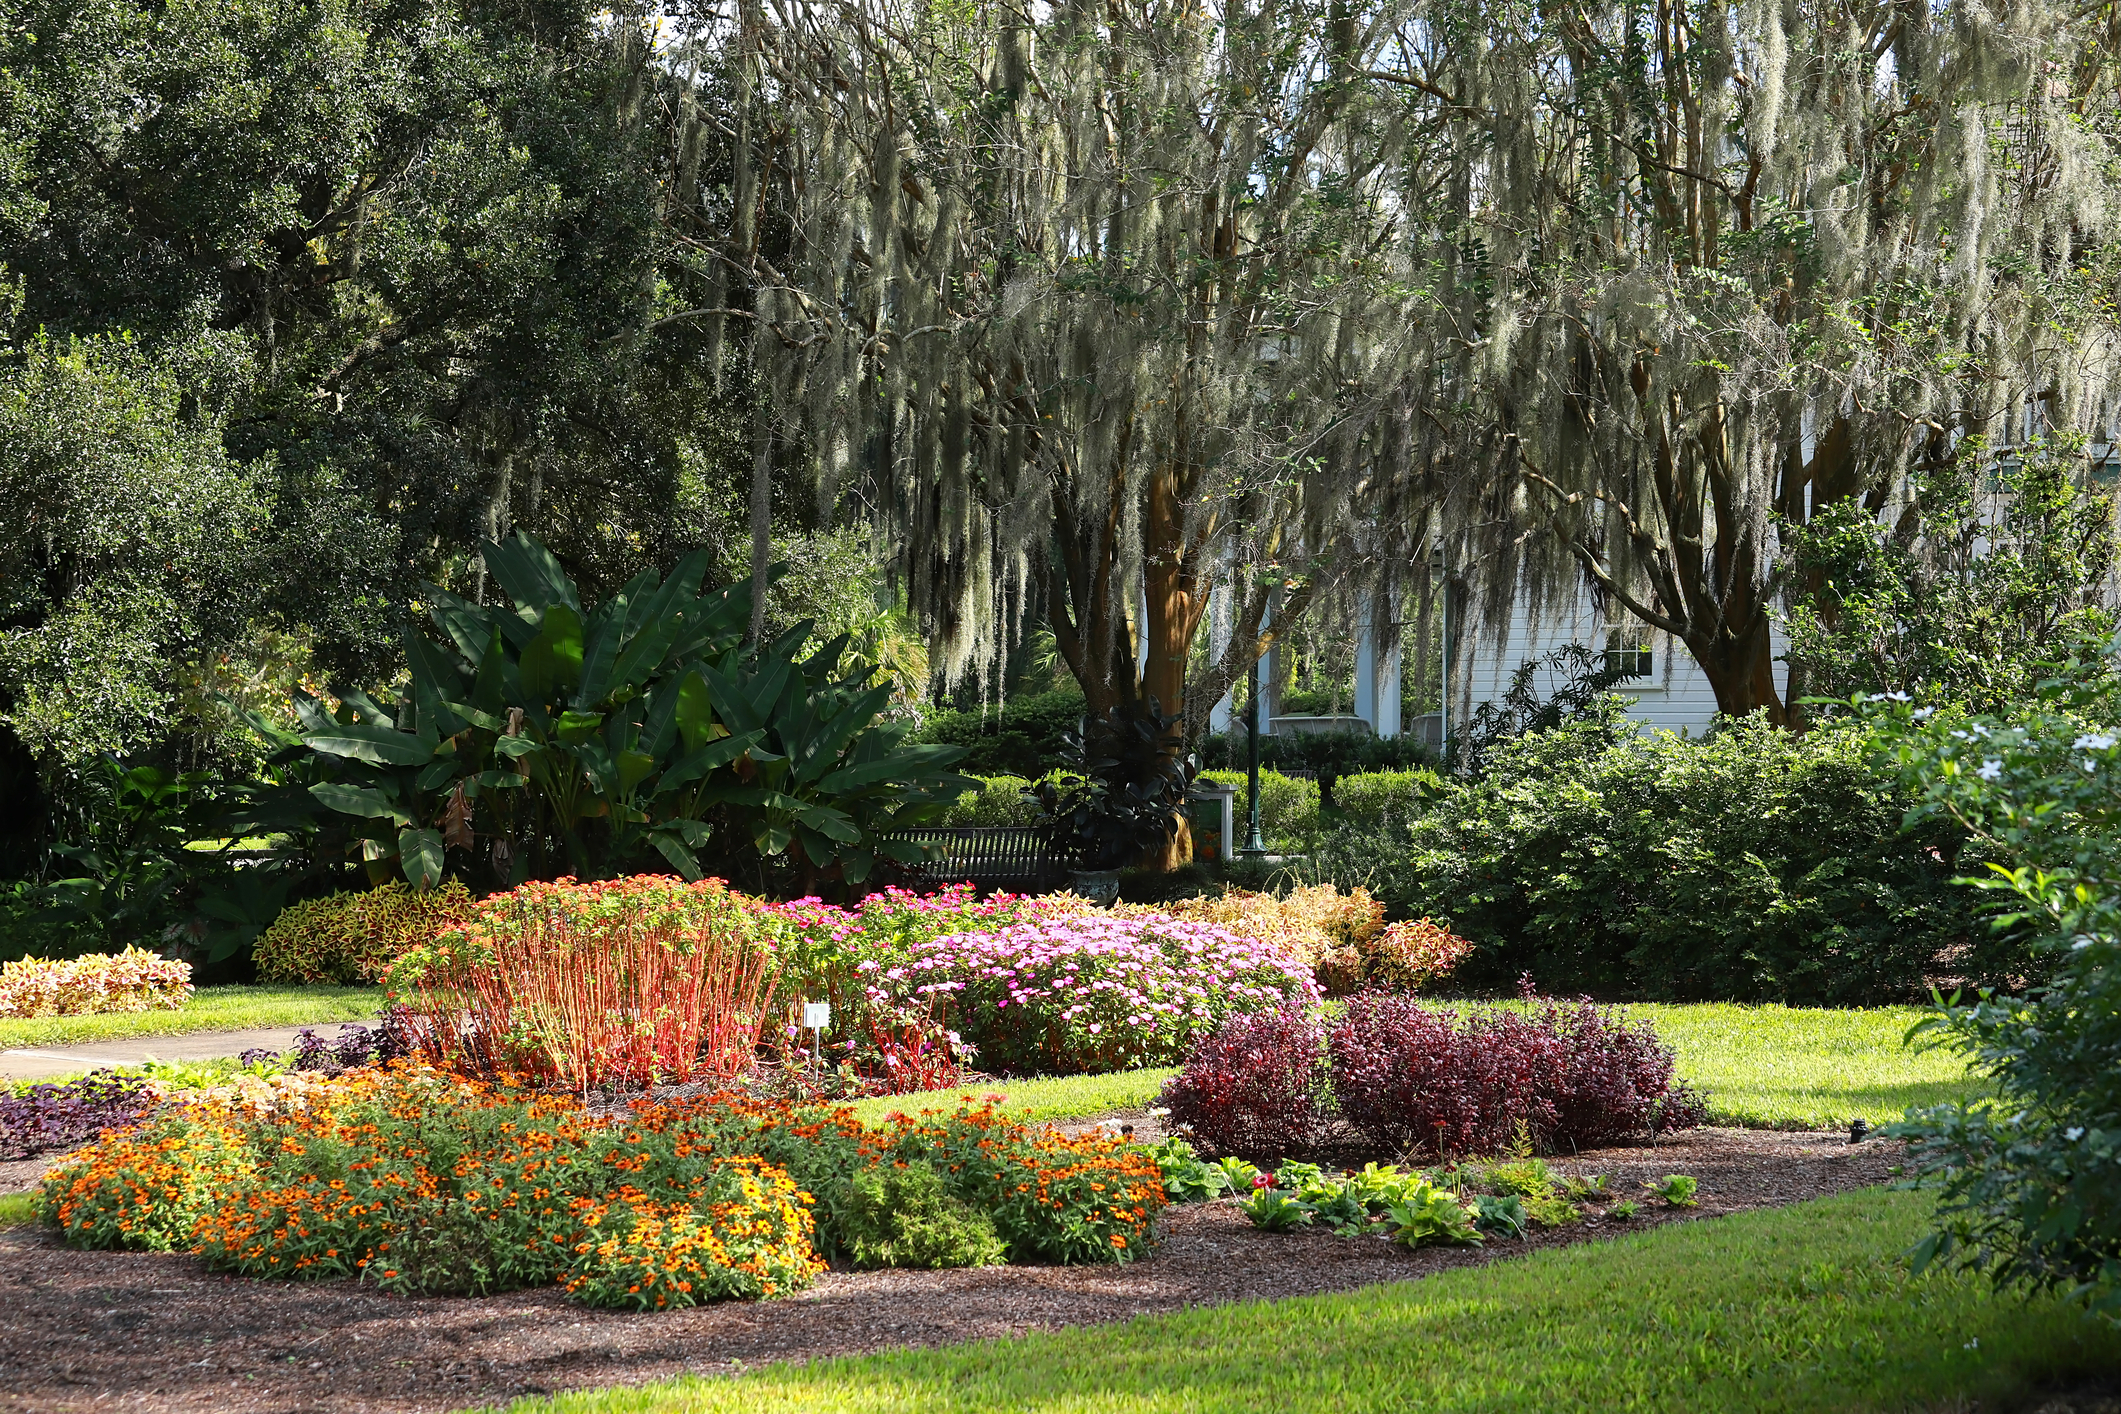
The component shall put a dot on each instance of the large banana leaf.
(551, 735)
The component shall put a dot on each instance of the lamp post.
(1254, 845)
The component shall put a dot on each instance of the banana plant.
(548, 737)
(828, 776)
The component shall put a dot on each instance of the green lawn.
(1786, 1310)
(1763, 1067)
(210, 1009)
(1064, 1097)
(1774, 1067)
(15, 1210)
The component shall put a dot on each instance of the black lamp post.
(1253, 843)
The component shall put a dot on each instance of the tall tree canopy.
(1101, 306)
(1738, 264)
(387, 277)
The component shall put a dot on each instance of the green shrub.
(620, 736)
(1343, 753)
(1288, 808)
(1023, 737)
(1000, 800)
(23, 933)
(1378, 799)
(1750, 865)
(901, 1217)
(355, 937)
(2030, 1182)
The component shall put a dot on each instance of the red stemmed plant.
(640, 980)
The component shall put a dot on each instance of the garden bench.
(992, 858)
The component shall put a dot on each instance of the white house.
(1668, 691)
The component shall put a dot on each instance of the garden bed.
(97, 1331)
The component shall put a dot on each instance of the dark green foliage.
(133, 881)
(1751, 865)
(559, 737)
(902, 1217)
(1500, 1217)
(1584, 679)
(2029, 1184)
(128, 556)
(2002, 578)
(25, 930)
(1026, 737)
(1342, 753)
(1157, 886)
(1125, 791)
(333, 292)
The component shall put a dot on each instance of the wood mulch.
(103, 1331)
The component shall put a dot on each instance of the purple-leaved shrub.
(1411, 1078)
(1256, 1086)
(46, 1118)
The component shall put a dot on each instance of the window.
(1627, 652)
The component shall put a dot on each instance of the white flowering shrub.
(2029, 1182)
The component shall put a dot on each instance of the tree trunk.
(1741, 671)
(1175, 603)
(1090, 623)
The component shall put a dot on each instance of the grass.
(1061, 1097)
(1775, 1067)
(210, 1009)
(1763, 1067)
(17, 1209)
(1787, 1310)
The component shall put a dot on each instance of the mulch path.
(102, 1331)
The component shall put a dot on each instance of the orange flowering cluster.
(1082, 1199)
(1052, 1197)
(749, 1237)
(422, 1181)
(148, 1187)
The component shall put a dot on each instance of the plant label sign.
(817, 1015)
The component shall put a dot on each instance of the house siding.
(1675, 697)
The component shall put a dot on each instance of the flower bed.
(1097, 993)
(419, 1181)
(133, 980)
(897, 1039)
(643, 979)
(1046, 985)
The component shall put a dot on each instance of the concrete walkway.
(46, 1062)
